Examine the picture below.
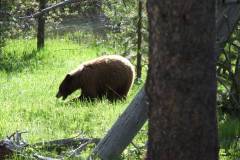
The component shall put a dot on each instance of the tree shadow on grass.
(15, 62)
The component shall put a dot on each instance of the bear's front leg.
(88, 97)
(82, 97)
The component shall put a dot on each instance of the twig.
(139, 149)
(228, 90)
(78, 150)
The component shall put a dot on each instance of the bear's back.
(111, 73)
(111, 69)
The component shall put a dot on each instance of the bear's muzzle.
(58, 95)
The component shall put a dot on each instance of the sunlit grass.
(29, 80)
(28, 89)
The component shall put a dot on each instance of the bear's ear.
(68, 76)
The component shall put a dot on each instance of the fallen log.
(125, 128)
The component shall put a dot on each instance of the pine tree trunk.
(41, 26)
(181, 83)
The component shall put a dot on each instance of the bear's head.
(66, 87)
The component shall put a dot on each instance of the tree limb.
(226, 20)
(58, 5)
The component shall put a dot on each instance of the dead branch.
(12, 144)
(83, 146)
(67, 142)
(46, 10)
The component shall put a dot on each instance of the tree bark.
(5, 8)
(181, 82)
(139, 42)
(41, 26)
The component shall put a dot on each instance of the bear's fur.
(111, 76)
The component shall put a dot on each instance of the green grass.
(229, 136)
(29, 81)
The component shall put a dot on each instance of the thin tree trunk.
(41, 26)
(139, 32)
(181, 83)
(5, 7)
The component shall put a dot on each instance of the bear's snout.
(58, 95)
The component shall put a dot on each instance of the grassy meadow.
(29, 81)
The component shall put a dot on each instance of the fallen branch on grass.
(67, 142)
(83, 146)
(14, 144)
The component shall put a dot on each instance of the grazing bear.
(111, 76)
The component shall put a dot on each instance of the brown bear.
(111, 76)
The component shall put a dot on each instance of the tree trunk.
(139, 42)
(181, 82)
(41, 24)
(222, 35)
(5, 8)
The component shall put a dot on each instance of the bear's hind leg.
(114, 95)
(123, 91)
